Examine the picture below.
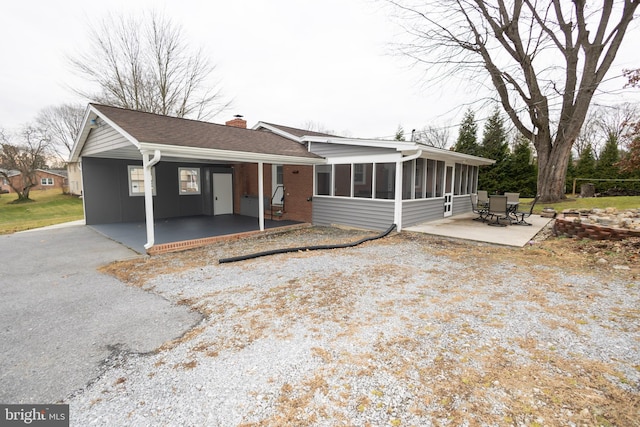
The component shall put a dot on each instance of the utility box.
(587, 190)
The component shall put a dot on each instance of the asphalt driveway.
(62, 321)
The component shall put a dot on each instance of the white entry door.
(222, 194)
(448, 191)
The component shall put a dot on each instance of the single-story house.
(139, 166)
(46, 179)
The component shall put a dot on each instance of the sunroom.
(402, 188)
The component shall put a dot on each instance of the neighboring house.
(46, 179)
(75, 178)
(140, 166)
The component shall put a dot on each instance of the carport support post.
(397, 215)
(261, 195)
(148, 195)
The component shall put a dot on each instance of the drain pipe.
(148, 195)
(307, 248)
(398, 200)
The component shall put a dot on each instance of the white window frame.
(197, 183)
(359, 174)
(46, 181)
(138, 190)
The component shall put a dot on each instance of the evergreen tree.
(494, 146)
(520, 171)
(494, 139)
(609, 156)
(586, 167)
(399, 134)
(467, 135)
(571, 174)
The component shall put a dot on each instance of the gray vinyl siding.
(339, 150)
(461, 204)
(421, 210)
(361, 213)
(106, 191)
(104, 138)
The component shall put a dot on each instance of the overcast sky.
(283, 61)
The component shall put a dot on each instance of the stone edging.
(574, 227)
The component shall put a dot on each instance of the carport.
(185, 232)
(177, 181)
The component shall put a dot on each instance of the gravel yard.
(407, 330)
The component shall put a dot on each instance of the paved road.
(60, 318)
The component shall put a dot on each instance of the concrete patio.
(464, 227)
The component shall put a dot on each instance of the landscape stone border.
(589, 225)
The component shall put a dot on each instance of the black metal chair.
(498, 210)
(521, 215)
(480, 211)
(483, 198)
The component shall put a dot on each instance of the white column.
(261, 194)
(398, 200)
(147, 164)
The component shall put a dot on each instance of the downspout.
(398, 200)
(148, 195)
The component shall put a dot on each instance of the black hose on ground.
(306, 248)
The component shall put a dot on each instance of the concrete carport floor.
(60, 319)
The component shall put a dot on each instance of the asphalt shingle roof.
(158, 129)
(299, 132)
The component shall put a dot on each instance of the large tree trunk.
(553, 160)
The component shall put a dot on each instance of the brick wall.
(570, 227)
(298, 184)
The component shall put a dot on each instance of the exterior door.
(448, 191)
(222, 193)
(277, 188)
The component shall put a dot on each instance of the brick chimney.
(237, 122)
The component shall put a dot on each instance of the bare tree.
(545, 60)
(62, 123)
(434, 136)
(605, 123)
(317, 127)
(589, 134)
(146, 64)
(614, 121)
(26, 157)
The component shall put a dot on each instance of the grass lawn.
(620, 203)
(48, 207)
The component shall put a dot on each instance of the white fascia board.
(127, 136)
(91, 114)
(442, 154)
(277, 131)
(380, 143)
(227, 155)
(81, 137)
(376, 158)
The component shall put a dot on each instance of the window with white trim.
(136, 180)
(189, 181)
(323, 180)
(46, 181)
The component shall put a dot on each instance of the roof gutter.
(228, 155)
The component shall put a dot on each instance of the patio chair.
(480, 210)
(521, 215)
(513, 199)
(483, 198)
(498, 210)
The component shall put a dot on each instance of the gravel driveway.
(407, 330)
